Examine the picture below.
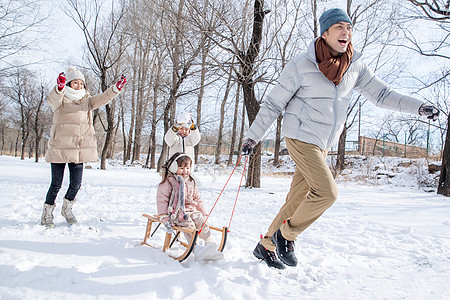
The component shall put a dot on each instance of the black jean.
(75, 177)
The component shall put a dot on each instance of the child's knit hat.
(184, 119)
(73, 73)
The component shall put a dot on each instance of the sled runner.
(187, 247)
(175, 237)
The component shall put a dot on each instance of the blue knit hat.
(331, 17)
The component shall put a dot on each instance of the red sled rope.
(235, 201)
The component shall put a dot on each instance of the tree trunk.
(23, 124)
(133, 105)
(109, 132)
(109, 108)
(177, 78)
(315, 21)
(3, 139)
(37, 142)
(444, 179)
(30, 149)
(124, 137)
(205, 51)
(139, 114)
(233, 131)
(16, 146)
(176, 82)
(340, 160)
(254, 168)
(25, 134)
(247, 63)
(103, 53)
(137, 140)
(153, 141)
(147, 160)
(156, 85)
(241, 134)
(222, 120)
(276, 155)
(38, 128)
(142, 100)
(112, 149)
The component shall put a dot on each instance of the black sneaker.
(285, 249)
(268, 256)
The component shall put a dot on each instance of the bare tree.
(41, 118)
(133, 86)
(205, 25)
(233, 130)
(158, 77)
(369, 19)
(19, 91)
(437, 11)
(222, 119)
(143, 96)
(19, 19)
(288, 33)
(4, 124)
(144, 25)
(183, 49)
(233, 41)
(247, 61)
(101, 36)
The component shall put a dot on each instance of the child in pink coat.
(179, 203)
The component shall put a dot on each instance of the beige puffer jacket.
(72, 137)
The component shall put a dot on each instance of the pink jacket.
(193, 201)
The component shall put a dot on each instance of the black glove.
(430, 111)
(247, 147)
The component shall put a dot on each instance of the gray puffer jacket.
(315, 108)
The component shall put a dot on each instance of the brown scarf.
(333, 67)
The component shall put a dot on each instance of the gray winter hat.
(331, 17)
(73, 73)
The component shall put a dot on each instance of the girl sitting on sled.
(179, 203)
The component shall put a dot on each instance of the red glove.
(61, 81)
(121, 83)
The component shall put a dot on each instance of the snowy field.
(379, 241)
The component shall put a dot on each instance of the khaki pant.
(312, 191)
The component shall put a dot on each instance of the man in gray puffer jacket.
(314, 90)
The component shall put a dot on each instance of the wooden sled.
(171, 238)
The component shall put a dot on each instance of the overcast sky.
(62, 42)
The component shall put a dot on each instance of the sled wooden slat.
(168, 238)
(171, 238)
(224, 231)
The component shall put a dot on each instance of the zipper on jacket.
(333, 129)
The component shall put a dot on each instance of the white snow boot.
(66, 211)
(207, 253)
(47, 215)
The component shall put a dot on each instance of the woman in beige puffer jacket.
(72, 139)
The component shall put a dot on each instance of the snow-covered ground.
(385, 238)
